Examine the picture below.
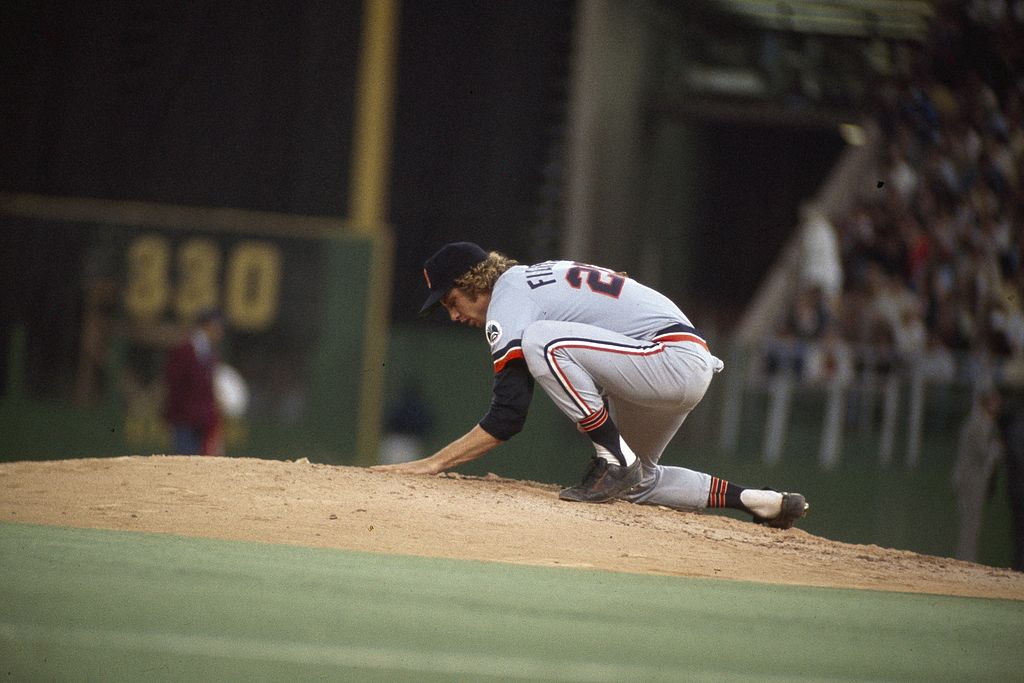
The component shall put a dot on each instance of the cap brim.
(432, 302)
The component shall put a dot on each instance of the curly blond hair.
(482, 276)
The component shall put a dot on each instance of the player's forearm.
(468, 447)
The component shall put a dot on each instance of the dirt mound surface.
(487, 518)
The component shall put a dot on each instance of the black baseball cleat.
(794, 506)
(603, 482)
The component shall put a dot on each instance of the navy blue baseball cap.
(441, 270)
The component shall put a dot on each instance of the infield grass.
(99, 605)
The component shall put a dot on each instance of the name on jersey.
(540, 274)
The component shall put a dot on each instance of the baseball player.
(620, 359)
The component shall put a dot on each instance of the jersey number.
(598, 279)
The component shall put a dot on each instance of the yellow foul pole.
(371, 161)
(374, 113)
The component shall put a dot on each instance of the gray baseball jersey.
(602, 346)
(574, 292)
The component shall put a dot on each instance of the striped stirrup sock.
(607, 440)
(725, 495)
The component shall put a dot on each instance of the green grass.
(100, 605)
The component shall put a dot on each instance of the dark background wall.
(752, 180)
(250, 105)
(201, 103)
(482, 89)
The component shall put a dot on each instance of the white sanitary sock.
(767, 504)
(627, 453)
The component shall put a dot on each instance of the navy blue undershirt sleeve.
(510, 401)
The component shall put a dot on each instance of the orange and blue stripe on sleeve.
(508, 353)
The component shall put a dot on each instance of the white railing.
(890, 394)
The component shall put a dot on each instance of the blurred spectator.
(805, 324)
(190, 406)
(980, 450)
(821, 267)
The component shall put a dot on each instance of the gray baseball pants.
(649, 389)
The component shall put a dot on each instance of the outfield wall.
(95, 293)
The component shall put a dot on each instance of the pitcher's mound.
(487, 518)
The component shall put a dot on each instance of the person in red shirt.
(190, 405)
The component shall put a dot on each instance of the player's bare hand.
(424, 466)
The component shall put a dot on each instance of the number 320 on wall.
(252, 280)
